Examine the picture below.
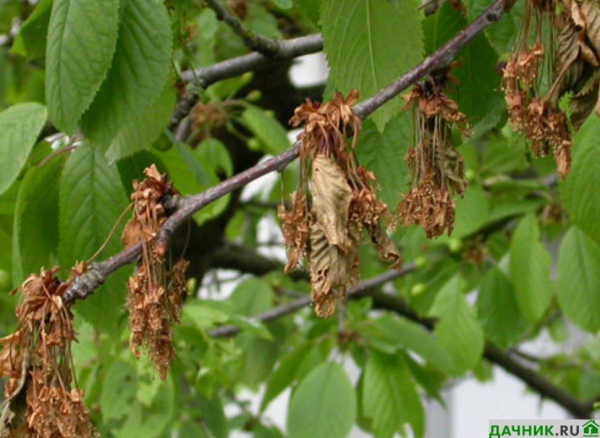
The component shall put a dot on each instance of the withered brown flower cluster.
(155, 292)
(40, 399)
(335, 206)
(538, 113)
(436, 167)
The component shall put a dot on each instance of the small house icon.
(590, 429)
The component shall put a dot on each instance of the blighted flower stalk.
(40, 399)
(335, 204)
(436, 167)
(565, 49)
(155, 293)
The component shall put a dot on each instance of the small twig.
(252, 40)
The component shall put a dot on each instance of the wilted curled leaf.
(330, 269)
(387, 249)
(331, 201)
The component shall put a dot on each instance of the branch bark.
(85, 284)
(231, 68)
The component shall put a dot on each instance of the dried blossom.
(37, 361)
(155, 293)
(335, 205)
(538, 113)
(436, 166)
(430, 207)
(295, 225)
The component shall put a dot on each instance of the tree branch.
(85, 284)
(231, 68)
(252, 40)
(361, 290)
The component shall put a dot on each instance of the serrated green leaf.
(498, 311)
(530, 266)
(323, 405)
(20, 126)
(383, 153)
(579, 279)
(82, 36)
(581, 199)
(138, 74)
(35, 229)
(390, 398)
(268, 130)
(458, 330)
(368, 44)
(31, 39)
(144, 128)
(91, 200)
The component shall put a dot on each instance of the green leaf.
(91, 200)
(530, 266)
(145, 127)
(323, 405)
(31, 39)
(478, 92)
(214, 155)
(401, 333)
(119, 391)
(383, 153)
(283, 4)
(35, 229)
(458, 330)
(581, 199)
(579, 279)
(368, 44)
(285, 374)
(251, 297)
(498, 311)
(138, 75)
(203, 316)
(472, 212)
(82, 36)
(268, 130)
(390, 398)
(312, 8)
(20, 126)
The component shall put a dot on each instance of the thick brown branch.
(87, 283)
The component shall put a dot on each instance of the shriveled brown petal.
(331, 201)
(131, 233)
